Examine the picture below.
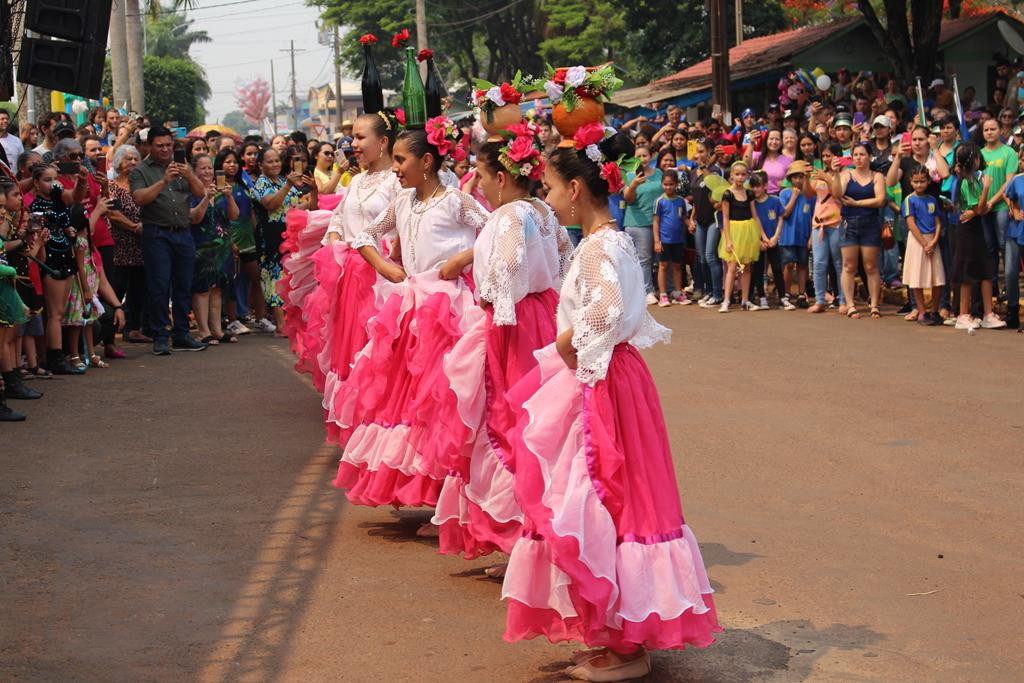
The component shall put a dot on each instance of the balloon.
(253, 98)
(824, 82)
(817, 72)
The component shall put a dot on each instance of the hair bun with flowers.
(443, 134)
(520, 154)
(588, 141)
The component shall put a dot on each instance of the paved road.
(855, 486)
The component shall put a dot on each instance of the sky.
(246, 37)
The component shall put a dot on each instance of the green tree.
(175, 90)
(909, 36)
(583, 31)
(236, 119)
(171, 35)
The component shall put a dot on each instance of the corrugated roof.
(956, 28)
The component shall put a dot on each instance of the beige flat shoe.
(427, 530)
(624, 671)
(497, 571)
(584, 656)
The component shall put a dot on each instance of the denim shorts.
(860, 231)
(798, 255)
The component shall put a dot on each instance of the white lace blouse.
(367, 196)
(521, 250)
(602, 300)
(429, 232)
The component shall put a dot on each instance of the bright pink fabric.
(326, 271)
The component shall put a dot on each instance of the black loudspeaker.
(6, 48)
(83, 21)
(75, 68)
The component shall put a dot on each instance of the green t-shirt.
(1000, 164)
(640, 214)
(968, 193)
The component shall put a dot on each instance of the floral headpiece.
(588, 139)
(425, 54)
(368, 39)
(487, 96)
(391, 120)
(567, 85)
(520, 155)
(400, 38)
(443, 134)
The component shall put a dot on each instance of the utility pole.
(739, 21)
(295, 97)
(273, 98)
(421, 33)
(719, 60)
(339, 100)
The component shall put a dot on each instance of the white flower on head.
(494, 95)
(554, 92)
(525, 169)
(575, 76)
(594, 153)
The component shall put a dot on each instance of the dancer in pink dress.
(344, 300)
(606, 557)
(519, 260)
(391, 391)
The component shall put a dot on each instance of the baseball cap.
(1018, 130)
(881, 120)
(843, 119)
(937, 82)
(748, 112)
(798, 167)
(63, 129)
(789, 114)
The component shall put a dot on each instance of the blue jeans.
(643, 242)
(1011, 261)
(700, 264)
(823, 251)
(241, 294)
(170, 258)
(995, 224)
(712, 235)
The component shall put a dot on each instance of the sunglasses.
(75, 156)
(327, 153)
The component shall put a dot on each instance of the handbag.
(888, 239)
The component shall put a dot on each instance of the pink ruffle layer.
(327, 269)
(391, 392)
(477, 512)
(606, 558)
(304, 231)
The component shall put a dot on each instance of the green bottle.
(413, 95)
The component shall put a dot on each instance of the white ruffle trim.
(374, 446)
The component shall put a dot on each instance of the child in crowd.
(795, 234)
(670, 215)
(1014, 238)
(769, 212)
(83, 306)
(741, 236)
(971, 262)
(922, 264)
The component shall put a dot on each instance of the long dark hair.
(416, 141)
(385, 125)
(570, 163)
(218, 163)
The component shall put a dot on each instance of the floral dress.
(127, 244)
(75, 314)
(272, 229)
(212, 238)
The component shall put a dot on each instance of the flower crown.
(487, 96)
(520, 154)
(568, 85)
(588, 139)
(443, 134)
(391, 120)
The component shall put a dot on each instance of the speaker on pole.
(72, 65)
(82, 21)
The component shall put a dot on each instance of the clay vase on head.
(587, 110)
(498, 120)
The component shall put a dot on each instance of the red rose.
(510, 94)
(524, 127)
(401, 38)
(460, 153)
(480, 95)
(521, 149)
(538, 170)
(589, 134)
(611, 173)
(582, 91)
(424, 55)
(559, 77)
(437, 138)
(368, 39)
(400, 115)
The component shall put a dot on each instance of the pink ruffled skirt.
(606, 557)
(304, 231)
(327, 269)
(391, 392)
(477, 512)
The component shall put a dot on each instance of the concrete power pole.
(421, 33)
(739, 21)
(295, 96)
(719, 58)
(338, 98)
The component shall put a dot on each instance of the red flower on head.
(401, 38)
(521, 148)
(460, 153)
(559, 77)
(424, 55)
(510, 94)
(480, 95)
(368, 39)
(522, 128)
(538, 169)
(613, 176)
(400, 115)
(589, 134)
(437, 138)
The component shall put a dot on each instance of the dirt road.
(855, 486)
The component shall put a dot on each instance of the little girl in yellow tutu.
(742, 235)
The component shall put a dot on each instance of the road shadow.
(403, 528)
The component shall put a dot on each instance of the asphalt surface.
(855, 486)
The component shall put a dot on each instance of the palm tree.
(171, 35)
(133, 22)
(119, 70)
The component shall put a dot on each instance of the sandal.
(39, 373)
(229, 339)
(875, 313)
(210, 340)
(911, 317)
(851, 312)
(76, 363)
(98, 362)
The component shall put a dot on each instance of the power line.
(165, 11)
(258, 61)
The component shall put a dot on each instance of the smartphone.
(299, 166)
(36, 222)
(728, 149)
(691, 149)
(114, 205)
(68, 167)
(222, 181)
(905, 140)
(845, 162)
(858, 118)
(179, 156)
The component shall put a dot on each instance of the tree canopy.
(175, 90)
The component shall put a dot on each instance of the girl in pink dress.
(344, 300)
(390, 392)
(519, 260)
(605, 557)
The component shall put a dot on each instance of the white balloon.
(823, 82)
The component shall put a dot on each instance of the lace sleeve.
(336, 225)
(597, 319)
(507, 279)
(374, 233)
(470, 213)
(564, 250)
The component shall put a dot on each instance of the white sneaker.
(750, 306)
(724, 308)
(236, 328)
(787, 305)
(764, 303)
(689, 289)
(651, 299)
(703, 300)
(710, 302)
(992, 322)
(966, 322)
(264, 325)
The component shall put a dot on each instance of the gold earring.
(572, 210)
(424, 176)
(499, 196)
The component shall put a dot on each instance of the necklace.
(417, 217)
(601, 226)
(360, 198)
